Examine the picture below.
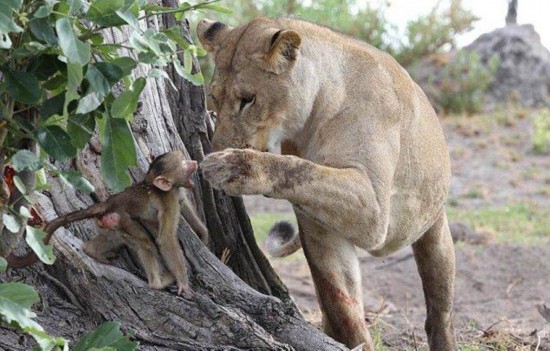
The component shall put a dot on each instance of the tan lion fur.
(365, 161)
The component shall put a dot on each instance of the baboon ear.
(284, 51)
(211, 33)
(163, 183)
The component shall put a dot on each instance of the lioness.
(364, 160)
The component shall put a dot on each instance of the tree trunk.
(512, 15)
(241, 304)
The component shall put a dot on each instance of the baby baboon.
(155, 202)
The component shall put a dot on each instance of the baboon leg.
(337, 278)
(435, 258)
(140, 243)
(104, 246)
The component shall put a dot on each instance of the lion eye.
(247, 100)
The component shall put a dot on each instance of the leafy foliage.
(429, 34)
(59, 80)
(541, 132)
(461, 83)
(107, 337)
(16, 300)
(434, 32)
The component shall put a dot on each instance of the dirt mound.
(524, 71)
(522, 77)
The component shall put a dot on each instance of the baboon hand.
(237, 172)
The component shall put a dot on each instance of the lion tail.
(282, 240)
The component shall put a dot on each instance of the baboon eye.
(247, 99)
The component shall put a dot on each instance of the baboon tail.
(29, 258)
(282, 240)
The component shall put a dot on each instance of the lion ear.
(211, 33)
(284, 51)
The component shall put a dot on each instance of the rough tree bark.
(238, 305)
(512, 14)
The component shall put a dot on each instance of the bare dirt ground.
(498, 285)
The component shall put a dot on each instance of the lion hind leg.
(435, 258)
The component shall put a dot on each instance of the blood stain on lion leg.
(435, 258)
(335, 271)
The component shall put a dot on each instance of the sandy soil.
(498, 286)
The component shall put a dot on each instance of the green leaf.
(75, 50)
(3, 264)
(7, 24)
(158, 73)
(41, 180)
(74, 179)
(99, 88)
(44, 11)
(43, 31)
(196, 79)
(45, 66)
(74, 78)
(89, 103)
(11, 223)
(75, 7)
(24, 212)
(218, 8)
(35, 239)
(96, 39)
(126, 103)
(20, 185)
(56, 142)
(187, 61)
(81, 128)
(99, 83)
(126, 65)
(118, 152)
(175, 34)
(22, 294)
(15, 315)
(108, 335)
(55, 83)
(101, 76)
(22, 86)
(155, 8)
(52, 106)
(5, 41)
(103, 13)
(130, 14)
(26, 160)
(111, 72)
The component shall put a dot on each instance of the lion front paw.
(235, 171)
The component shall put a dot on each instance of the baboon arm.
(191, 217)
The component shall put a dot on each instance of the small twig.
(414, 341)
(377, 314)
(226, 255)
(62, 286)
(512, 285)
(538, 342)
